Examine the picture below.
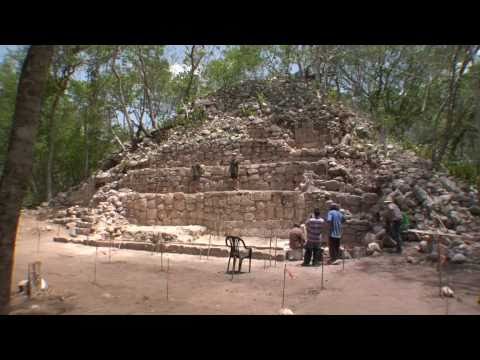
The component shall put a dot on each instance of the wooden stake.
(168, 271)
(323, 287)
(38, 241)
(270, 247)
(161, 259)
(276, 243)
(34, 279)
(265, 259)
(95, 265)
(439, 266)
(209, 244)
(284, 278)
(110, 249)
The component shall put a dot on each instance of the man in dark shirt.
(233, 170)
(314, 227)
(197, 173)
(393, 222)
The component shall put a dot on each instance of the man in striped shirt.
(314, 227)
(335, 220)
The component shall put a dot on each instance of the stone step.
(178, 248)
(258, 176)
(254, 150)
(83, 224)
(81, 231)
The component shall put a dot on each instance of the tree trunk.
(457, 73)
(476, 87)
(18, 167)
(50, 141)
(87, 145)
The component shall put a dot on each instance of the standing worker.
(233, 170)
(335, 219)
(197, 172)
(393, 222)
(297, 240)
(314, 227)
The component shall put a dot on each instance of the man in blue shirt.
(335, 220)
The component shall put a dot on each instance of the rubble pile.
(296, 150)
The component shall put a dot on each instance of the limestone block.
(141, 204)
(167, 199)
(262, 196)
(351, 202)
(288, 213)
(260, 215)
(249, 217)
(178, 196)
(161, 215)
(237, 216)
(279, 212)
(246, 201)
(179, 205)
(270, 212)
(151, 203)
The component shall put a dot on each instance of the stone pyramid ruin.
(296, 150)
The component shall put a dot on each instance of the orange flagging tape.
(290, 274)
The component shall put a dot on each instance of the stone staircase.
(165, 194)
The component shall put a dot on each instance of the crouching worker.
(393, 222)
(297, 241)
(314, 227)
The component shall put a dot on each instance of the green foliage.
(239, 63)
(8, 92)
(194, 119)
(261, 98)
(464, 170)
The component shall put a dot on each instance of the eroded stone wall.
(270, 176)
(220, 153)
(248, 213)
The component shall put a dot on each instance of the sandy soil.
(132, 282)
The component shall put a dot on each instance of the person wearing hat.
(393, 222)
(335, 219)
(233, 170)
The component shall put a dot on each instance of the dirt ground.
(132, 282)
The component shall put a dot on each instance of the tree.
(8, 90)
(15, 177)
(238, 63)
(64, 65)
(138, 91)
(461, 57)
